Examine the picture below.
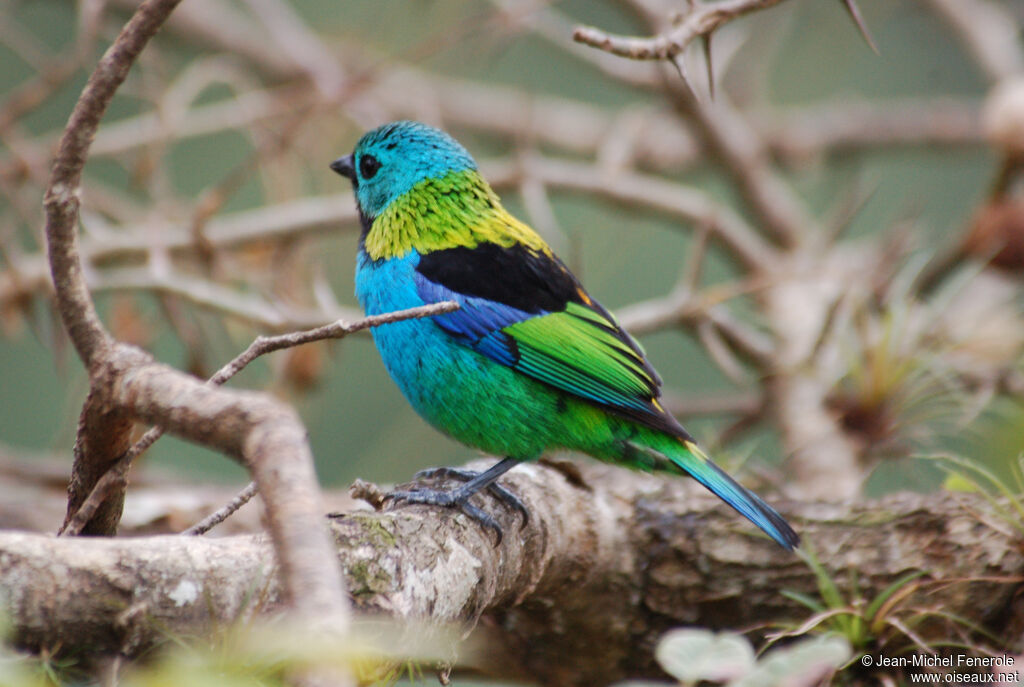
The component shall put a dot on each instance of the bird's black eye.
(368, 166)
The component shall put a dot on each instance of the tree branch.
(609, 558)
(700, 19)
(125, 382)
(744, 156)
(305, 217)
(82, 513)
(725, 226)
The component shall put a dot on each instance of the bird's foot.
(497, 491)
(447, 499)
(459, 498)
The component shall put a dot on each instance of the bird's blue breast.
(387, 285)
(414, 351)
(457, 389)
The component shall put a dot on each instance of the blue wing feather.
(476, 317)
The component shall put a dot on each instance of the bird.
(529, 362)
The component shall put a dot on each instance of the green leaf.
(828, 590)
(804, 599)
(884, 595)
(956, 481)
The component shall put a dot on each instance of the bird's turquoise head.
(388, 161)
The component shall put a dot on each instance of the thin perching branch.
(221, 514)
(116, 477)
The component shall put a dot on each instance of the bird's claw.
(459, 498)
(497, 491)
(447, 499)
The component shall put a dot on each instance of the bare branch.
(725, 226)
(336, 330)
(662, 142)
(115, 478)
(289, 32)
(222, 25)
(797, 134)
(217, 517)
(700, 19)
(249, 308)
(721, 355)
(724, 132)
(553, 26)
(61, 200)
(308, 216)
(743, 154)
(705, 307)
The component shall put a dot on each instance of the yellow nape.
(457, 210)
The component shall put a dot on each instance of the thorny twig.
(699, 19)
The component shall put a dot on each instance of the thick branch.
(798, 306)
(61, 201)
(609, 558)
(104, 434)
(125, 382)
(114, 476)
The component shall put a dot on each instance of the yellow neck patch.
(458, 209)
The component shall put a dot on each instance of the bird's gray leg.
(459, 497)
(499, 492)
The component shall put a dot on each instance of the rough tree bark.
(608, 561)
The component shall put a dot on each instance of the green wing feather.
(583, 351)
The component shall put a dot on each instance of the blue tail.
(699, 466)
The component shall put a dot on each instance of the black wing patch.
(518, 277)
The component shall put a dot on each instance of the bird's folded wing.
(579, 349)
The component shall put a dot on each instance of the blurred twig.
(989, 32)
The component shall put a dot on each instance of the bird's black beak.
(344, 167)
